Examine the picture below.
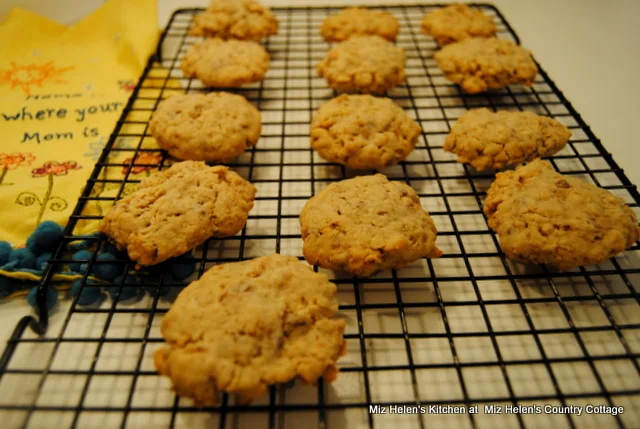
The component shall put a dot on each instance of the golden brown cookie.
(177, 209)
(235, 19)
(366, 224)
(226, 63)
(487, 139)
(457, 22)
(367, 64)
(544, 217)
(245, 326)
(479, 64)
(362, 131)
(215, 127)
(358, 21)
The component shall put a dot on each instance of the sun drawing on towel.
(26, 76)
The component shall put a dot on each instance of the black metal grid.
(469, 328)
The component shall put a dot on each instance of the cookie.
(245, 326)
(215, 127)
(487, 139)
(479, 64)
(235, 19)
(177, 209)
(365, 225)
(226, 63)
(457, 22)
(544, 217)
(362, 131)
(367, 64)
(357, 21)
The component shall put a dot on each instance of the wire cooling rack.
(470, 328)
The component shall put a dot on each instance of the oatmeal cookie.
(245, 326)
(235, 19)
(362, 131)
(487, 139)
(366, 224)
(177, 209)
(544, 217)
(367, 64)
(214, 127)
(359, 21)
(226, 63)
(457, 22)
(479, 64)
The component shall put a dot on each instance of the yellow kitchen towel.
(62, 90)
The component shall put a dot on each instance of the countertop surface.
(587, 47)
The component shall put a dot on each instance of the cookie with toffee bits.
(544, 217)
(226, 63)
(214, 127)
(480, 64)
(368, 64)
(248, 325)
(457, 22)
(363, 132)
(177, 209)
(358, 21)
(366, 224)
(494, 140)
(235, 19)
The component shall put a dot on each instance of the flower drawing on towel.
(55, 168)
(127, 85)
(11, 161)
(95, 149)
(124, 143)
(149, 158)
(54, 203)
(28, 75)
